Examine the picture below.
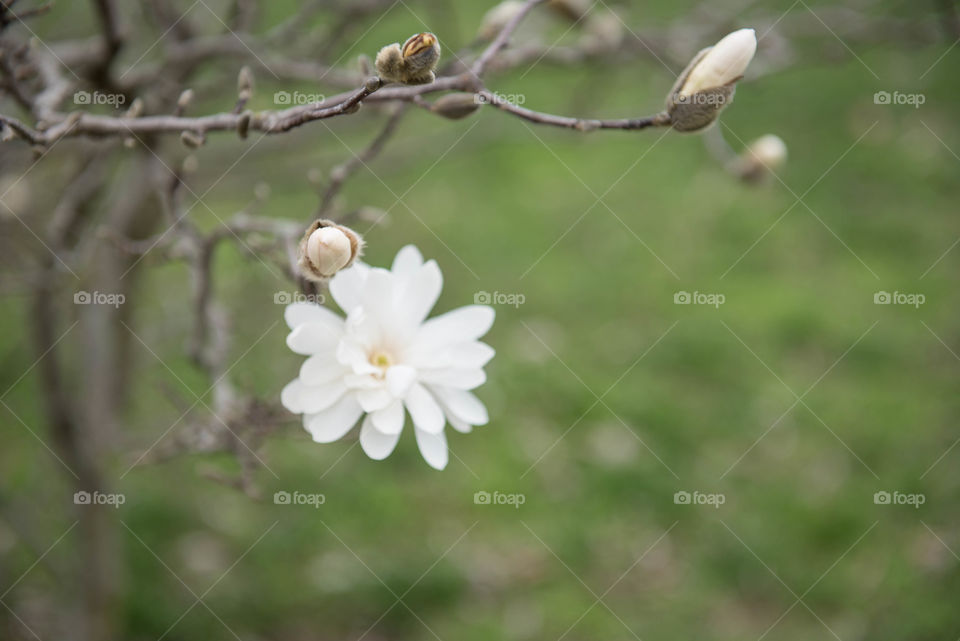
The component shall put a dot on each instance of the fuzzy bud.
(186, 97)
(326, 248)
(455, 105)
(765, 154)
(245, 83)
(411, 64)
(136, 108)
(707, 85)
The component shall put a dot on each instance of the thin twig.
(501, 40)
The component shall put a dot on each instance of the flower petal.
(374, 399)
(347, 286)
(312, 338)
(399, 379)
(461, 405)
(419, 294)
(451, 377)
(389, 420)
(375, 443)
(458, 326)
(353, 355)
(408, 260)
(469, 355)
(379, 293)
(433, 448)
(302, 312)
(460, 426)
(316, 398)
(424, 410)
(320, 369)
(333, 423)
(290, 396)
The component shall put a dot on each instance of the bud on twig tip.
(326, 248)
(707, 85)
(411, 64)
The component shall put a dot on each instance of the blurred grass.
(513, 209)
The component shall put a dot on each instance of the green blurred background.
(606, 398)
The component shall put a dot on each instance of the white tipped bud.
(245, 82)
(765, 154)
(186, 97)
(770, 150)
(723, 63)
(326, 248)
(707, 85)
(329, 250)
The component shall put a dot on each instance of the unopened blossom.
(326, 248)
(410, 64)
(707, 85)
(765, 154)
(386, 361)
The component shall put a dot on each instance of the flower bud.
(136, 108)
(245, 83)
(707, 85)
(765, 154)
(411, 64)
(326, 248)
(455, 105)
(186, 97)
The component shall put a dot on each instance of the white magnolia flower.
(385, 358)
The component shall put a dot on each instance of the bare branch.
(342, 173)
(581, 124)
(501, 40)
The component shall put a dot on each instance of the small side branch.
(580, 124)
(502, 38)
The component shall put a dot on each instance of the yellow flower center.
(381, 360)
